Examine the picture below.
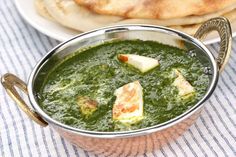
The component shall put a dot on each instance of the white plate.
(27, 10)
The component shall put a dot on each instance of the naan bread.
(155, 9)
(41, 9)
(188, 20)
(191, 29)
(71, 15)
(67, 13)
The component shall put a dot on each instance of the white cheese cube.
(142, 63)
(184, 87)
(128, 107)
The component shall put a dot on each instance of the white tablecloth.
(21, 46)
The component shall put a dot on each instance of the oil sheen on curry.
(123, 85)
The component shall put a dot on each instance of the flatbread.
(191, 29)
(68, 14)
(41, 10)
(188, 20)
(155, 9)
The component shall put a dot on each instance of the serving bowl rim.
(132, 133)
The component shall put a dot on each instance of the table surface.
(21, 46)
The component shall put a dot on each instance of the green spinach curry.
(93, 75)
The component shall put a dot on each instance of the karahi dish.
(131, 86)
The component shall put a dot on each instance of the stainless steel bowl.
(126, 142)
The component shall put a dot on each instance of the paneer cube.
(128, 107)
(141, 63)
(87, 106)
(184, 87)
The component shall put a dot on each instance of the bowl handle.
(222, 26)
(9, 82)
